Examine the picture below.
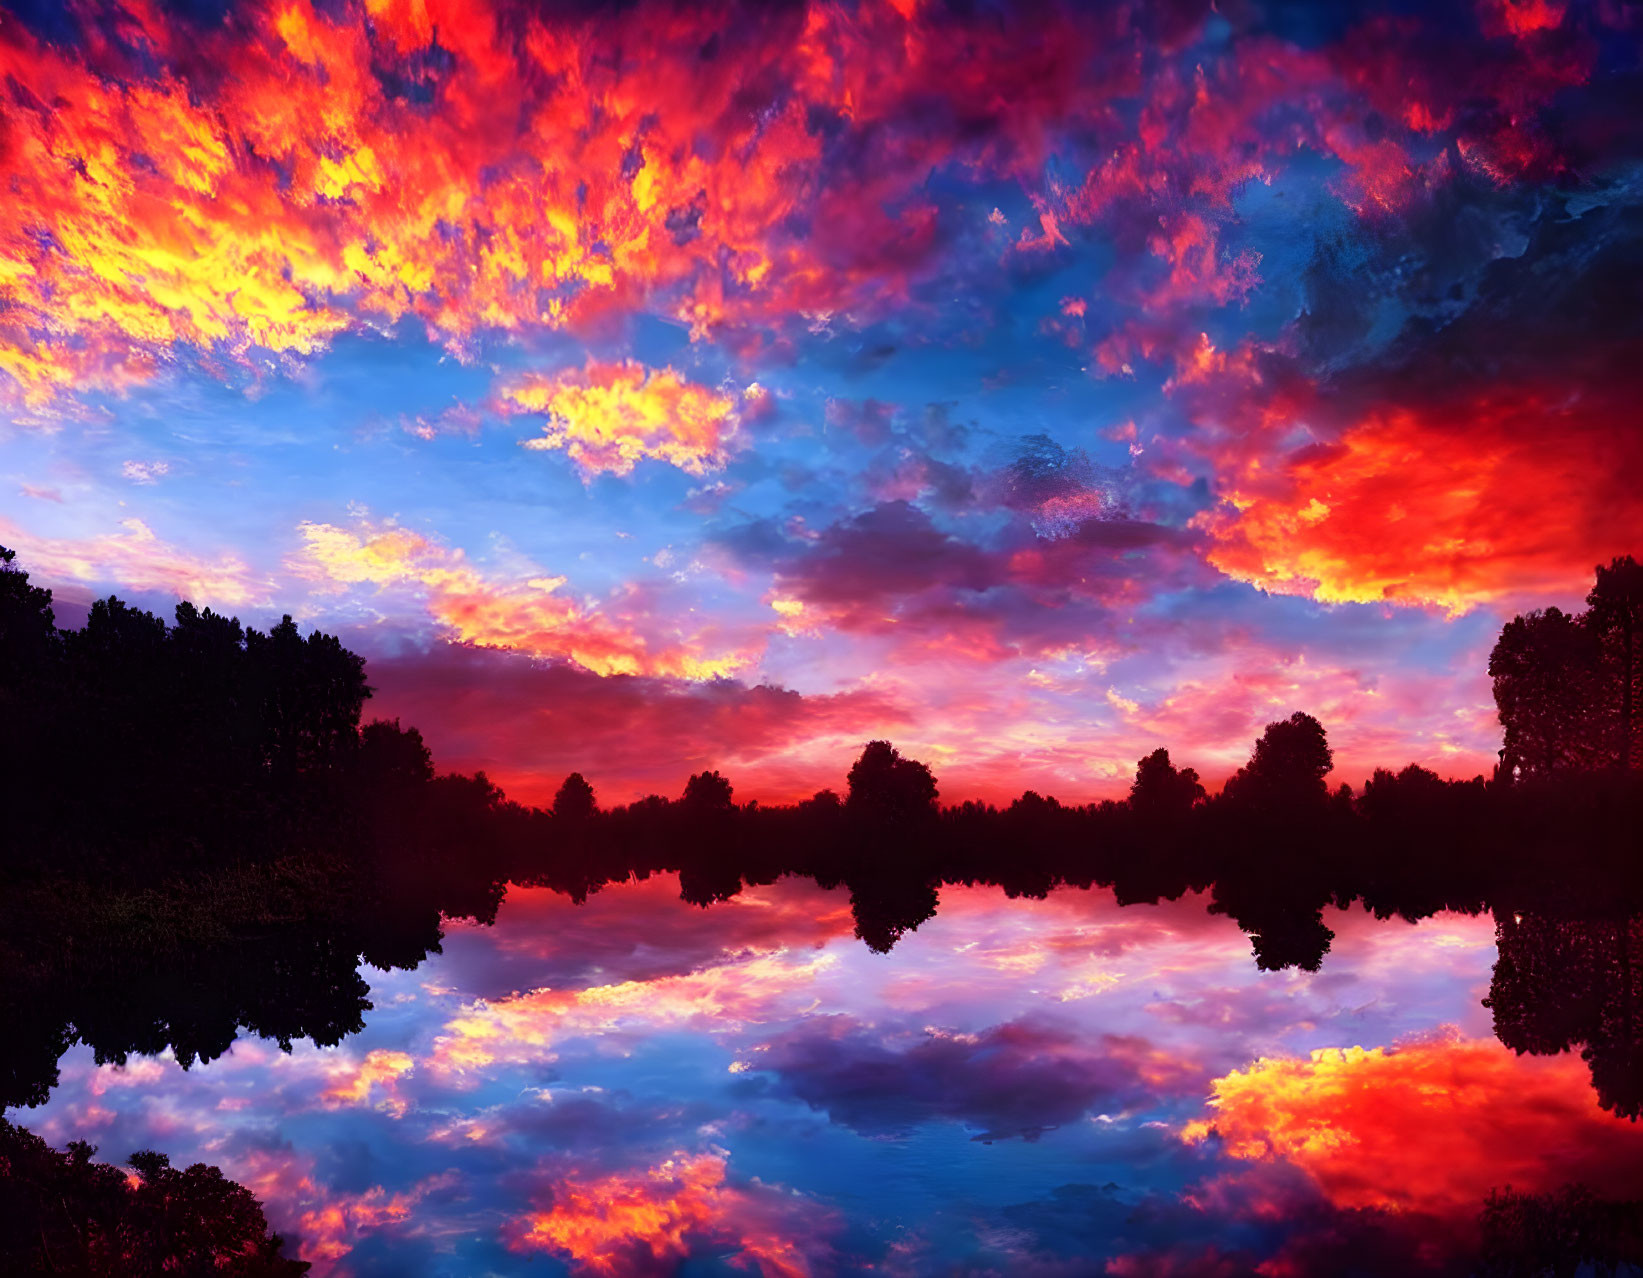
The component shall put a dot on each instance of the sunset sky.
(645, 388)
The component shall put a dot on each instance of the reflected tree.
(62, 1213)
(1558, 1234)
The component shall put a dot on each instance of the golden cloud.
(608, 417)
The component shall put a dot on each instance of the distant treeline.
(133, 752)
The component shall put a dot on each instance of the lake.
(639, 1085)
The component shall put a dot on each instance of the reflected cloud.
(637, 932)
(1431, 1125)
(1019, 1079)
(526, 1027)
(647, 1223)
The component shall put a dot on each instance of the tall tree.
(889, 790)
(313, 692)
(1162, 792)
(1566, 685)
(27, 628)
(708, 793)
(1288, 767)
(574, 801)
(1616, 619)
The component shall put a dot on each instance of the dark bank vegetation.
(62, 1213)
(199, 836)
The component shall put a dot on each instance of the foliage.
(1567, 685)
(62, 1213)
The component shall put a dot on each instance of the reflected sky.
(641, 1086)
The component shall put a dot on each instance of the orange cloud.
(1431, 1126)
(608, 417)
(526, 616)
(352, 1081)
(329, 1224)
(136, 558)
(1511, 497)
(613, 1224)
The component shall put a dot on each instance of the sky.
(637, 1087)
(647, 387)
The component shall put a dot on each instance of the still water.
(637, 1085)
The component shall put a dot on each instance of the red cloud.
(529, 723)
(306, 170)
(1490, 460)
(1510, 496)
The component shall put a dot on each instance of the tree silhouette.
(1277, 834)
(61, 1213)
(393, 760)
(1291, 759)
(1566, 982)
(1566, 685)
(888, 790)
(1161, 791)
(707, 793)
(574, 799)
(27, 629)
(1616, 618)
(1545, 666)
(312, 691)
(710, 868)
(1556, 1234)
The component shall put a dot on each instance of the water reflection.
(1575, 982)
(1054, 1085)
